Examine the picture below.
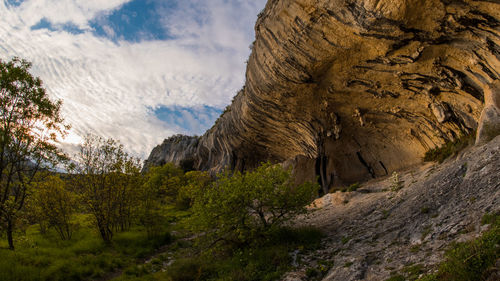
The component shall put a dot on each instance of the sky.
(137, 71)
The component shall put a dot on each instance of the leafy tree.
(195, 182)
(246, 208)
(127, 185)
(30, 124)
(162, 186)
(105, 177)
(54, 205)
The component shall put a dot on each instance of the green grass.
(351, 188)
(412, 272)
(472, 260)
(84, 257)
(396, 278)
(450, 148)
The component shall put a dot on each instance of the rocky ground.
(377, 230)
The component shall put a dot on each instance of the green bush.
(161, 187)
(472, 260)
(244, 209)
(449, 148)
(396, 278)
(268, 261)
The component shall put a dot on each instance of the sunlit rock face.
(347, 90)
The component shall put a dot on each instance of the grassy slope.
(85, 256)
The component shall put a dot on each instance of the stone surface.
(489, 123)
(349, 84)
(178, 149)
(378, 231)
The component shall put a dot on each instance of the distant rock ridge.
(177, 149)
(347, 90)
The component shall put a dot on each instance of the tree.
(54, 205)
(161, 186)
(195, 182)
(105, 180)
(127, 184)
(30, 124)
(242, 209)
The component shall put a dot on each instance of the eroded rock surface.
(374, 233)
(178, 149)
(489, 123)
(348, 90)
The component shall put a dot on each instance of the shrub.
(106, 179)
(268, 261)
(245, 208)
(396, 278)
(450, 148)
(52, 204)
(471, 260)
(396, 183)
(195, 181)
(162, 186)
(353, 187)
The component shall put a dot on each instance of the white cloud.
(109, 88)
(78, 12)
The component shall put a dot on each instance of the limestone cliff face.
(178, 149)
(352, 89)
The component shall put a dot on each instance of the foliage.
(195, 182)
(413, 271)
(40, 257)
(396, 183)
(351, 188)
(30, 124)
(266, 262)
(106, 179)
(161, 186)
(246, 208)
(166, 180)
(450, 148)
(52, 204)
(471, 260)
(396, 278)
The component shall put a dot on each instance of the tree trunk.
(9, 234)
(106, 234)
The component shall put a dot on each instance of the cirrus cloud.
(113, 82)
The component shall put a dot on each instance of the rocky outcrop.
(375, 232)
(178, 149)
(348, 90)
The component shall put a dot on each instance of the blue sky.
(134, 70)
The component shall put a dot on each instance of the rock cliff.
(348, 90)
(178, 149)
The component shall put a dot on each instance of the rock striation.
(177, 149)
(348, 90)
